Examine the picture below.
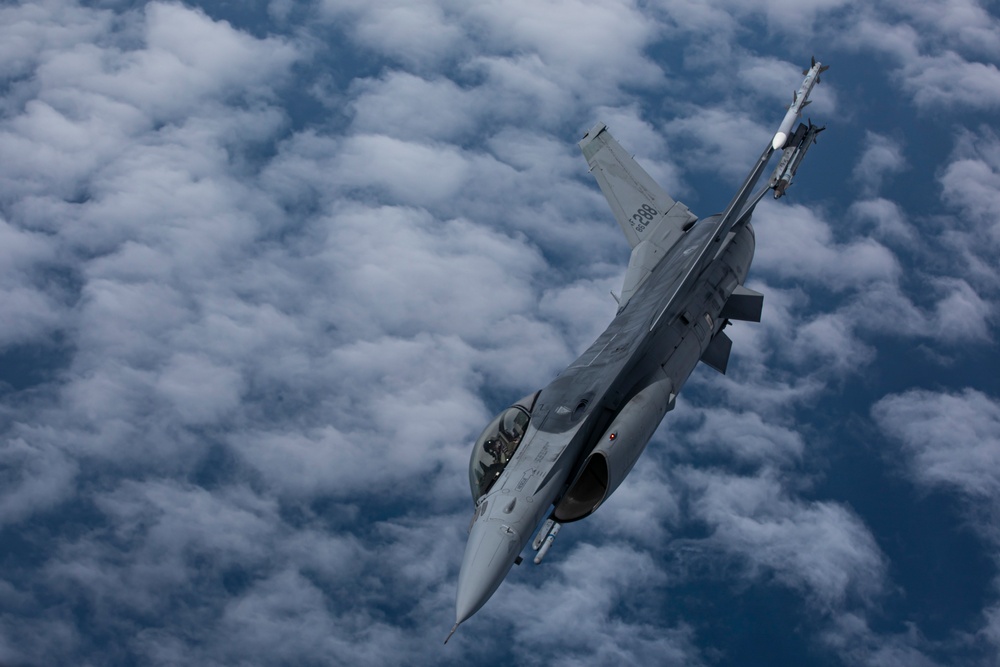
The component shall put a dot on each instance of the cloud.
(637, 134)
(796, 246)
(591, 38)
(949, 80)
(403, 105)
(948, 440)
(743, 437)
(971, 184)
(887, 218)
(37, 32)
(263, 321)
(882, 157)
(821, 549)
(965, 24)
(734, 141)
(115, 222)
(801, 244)
(853, 638)
(646, 509)
(936, 50)
(31, 314)
(781, 16)
(274, 335)
(586, 586)
(546, 49)
(420, 34)
(38, 475)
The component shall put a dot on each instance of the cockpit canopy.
(495, 447)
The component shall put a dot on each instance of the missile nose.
(779, 140)
(489, 555)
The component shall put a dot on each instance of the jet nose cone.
(489, 555)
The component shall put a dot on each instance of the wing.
(641, 207)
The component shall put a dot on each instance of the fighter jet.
(560, 452)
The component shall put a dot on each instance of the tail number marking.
(641, 218)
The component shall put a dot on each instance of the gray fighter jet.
(563, 450)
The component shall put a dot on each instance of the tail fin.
(640, 205)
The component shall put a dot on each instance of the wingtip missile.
(799, 101)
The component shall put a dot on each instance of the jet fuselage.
(658, 336)
(563, 450)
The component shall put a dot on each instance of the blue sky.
(268, 268)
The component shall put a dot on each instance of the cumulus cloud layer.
(951, 442)
(263, 284)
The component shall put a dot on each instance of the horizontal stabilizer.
(717, 353)
(744, 305)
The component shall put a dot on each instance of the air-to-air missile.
(792, 156)
(799, 101)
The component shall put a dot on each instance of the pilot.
(494, 447)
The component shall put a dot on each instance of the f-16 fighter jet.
(558, 453)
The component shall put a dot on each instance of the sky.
(268, 268)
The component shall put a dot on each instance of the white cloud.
(568, 618)
(30, 313)
(963, 24)
(576, 35)
(852, 637)
(541, 49)
(959, 314)
(406, 171)
(280, 340)
(882, 157)
(647, 145)
(743, 437)
(971, 183)
(403, 105)
(887, 218)
(799, 247)
(646, 508)
(200, 391)
(724, 16)
(991, 628)
(37, 476)
(948, 80)
(32, 33)
(285, 618)
(940, 51)
(726, 142)
(951, 440)
(797, 243)
(821, 549)
(420, 34)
